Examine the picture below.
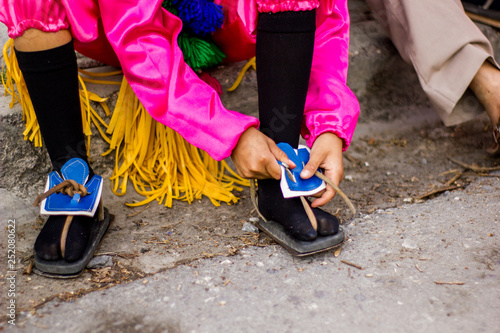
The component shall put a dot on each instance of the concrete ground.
(430, 267)
(413, 262)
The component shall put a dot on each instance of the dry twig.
(449, 172)
(438, 190)
(157, 242)
(474, 167)
(352, 159)
(351, 264)
(453, 179)
(478, 174)
(458, 283)
(121, 255)
(29, 269)
(138, 212)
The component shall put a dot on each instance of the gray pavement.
(405, 252)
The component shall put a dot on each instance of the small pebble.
(249, 227)
(100, 261)
(226, 262)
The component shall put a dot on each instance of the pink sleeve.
(145, 42)
(330, 106)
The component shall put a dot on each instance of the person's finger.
(327, 195)
(280, 155)
(274, 170)
(262, 167)
(258, 168)
(335, 176)
(319, 194)
(311, 166)
(268, 164)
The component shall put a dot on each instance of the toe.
(304, 235)
(327, 224)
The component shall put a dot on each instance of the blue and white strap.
(292, 185)
(60, 203)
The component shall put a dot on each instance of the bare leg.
(486, 87)
(36, 40)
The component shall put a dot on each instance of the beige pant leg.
(445, 47)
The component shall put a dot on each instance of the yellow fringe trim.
(160, 164)
(12, 78)
(250, 63)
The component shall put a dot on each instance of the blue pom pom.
(202, 17)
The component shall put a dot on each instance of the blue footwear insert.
(62, 204)
(292, 185)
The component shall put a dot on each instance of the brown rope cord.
(64, 234)
(338, 190)
(307, 208)
(69, 187)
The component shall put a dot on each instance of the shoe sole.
(61, 269)
(297, 247)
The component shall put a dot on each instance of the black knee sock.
(51, 77)
(284, 50)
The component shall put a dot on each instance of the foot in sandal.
(77, 220)
(283, 201)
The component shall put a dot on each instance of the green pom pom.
(168, 5)
(199, 53)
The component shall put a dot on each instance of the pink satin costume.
(141, 37)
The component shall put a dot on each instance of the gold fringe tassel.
(160, 164)
(250, 63)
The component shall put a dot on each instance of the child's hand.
(326, 153)
(255, 156)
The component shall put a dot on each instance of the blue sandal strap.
(63, 204)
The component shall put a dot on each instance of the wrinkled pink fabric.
(20, 15)
(144, 44)
(275, 6)
(330, 105)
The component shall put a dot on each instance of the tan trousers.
(444, 46)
